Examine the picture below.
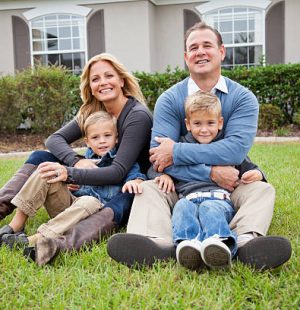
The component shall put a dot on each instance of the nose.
(200, 51)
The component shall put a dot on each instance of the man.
(149, 231)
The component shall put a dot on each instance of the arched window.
(59, 39)
(242, 29)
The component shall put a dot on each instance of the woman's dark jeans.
(38, 157)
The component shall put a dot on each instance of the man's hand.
(226, 177)
(162, 156)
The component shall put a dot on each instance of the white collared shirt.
(221, 85)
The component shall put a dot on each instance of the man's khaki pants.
(151, 211)
(65, 209)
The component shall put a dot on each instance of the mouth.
(105, 91)
(201, 62)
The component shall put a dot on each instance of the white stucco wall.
(292, 33)
(169, 30)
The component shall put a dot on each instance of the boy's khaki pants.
(65, 209)
(151, 211)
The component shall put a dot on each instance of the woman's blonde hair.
(90, 103)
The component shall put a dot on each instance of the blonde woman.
(105, 85)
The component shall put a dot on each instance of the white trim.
(56, 8)
(16, 5)
(218, 4)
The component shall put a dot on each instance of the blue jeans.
(121, 205)
(38, 157)
(202, 218)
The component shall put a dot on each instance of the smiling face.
(101, 137)
(105, 83)
(203, 125)
(203, 54)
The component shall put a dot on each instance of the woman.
(105, 85)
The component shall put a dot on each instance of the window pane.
(37, 34)
(240, 10)
(40, 60)
(75, 31)
(240, 37)
(251, 24)
(38, 46)
(51, 33)
(229, 57)
(225, 26)
(240, 25)
(227, 38)
(65, 32)
(255, 54)
(251, 37)
(240, 55)
(225, 11)
(65, 44)
(53, 59)
(66, 60)
(52, 45)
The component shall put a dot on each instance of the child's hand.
(165, 183)
(251, 176)
(73, 187)
(132, 187)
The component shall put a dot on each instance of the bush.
(51, 96)
(270, 117)
(9, 110)
(275, 84)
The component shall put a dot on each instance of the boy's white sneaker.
(188, 254)
(215, 253)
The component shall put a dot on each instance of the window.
(242, 29)
(59, 39)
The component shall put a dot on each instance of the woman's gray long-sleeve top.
(134, 133)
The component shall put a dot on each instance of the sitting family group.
(195, 196)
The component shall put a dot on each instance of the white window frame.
(57, 8)
(215, 6)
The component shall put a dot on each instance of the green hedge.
(50, 95)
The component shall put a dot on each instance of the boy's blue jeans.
(201, 218)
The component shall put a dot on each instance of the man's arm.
(239, 132)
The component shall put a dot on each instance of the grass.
(91, 280)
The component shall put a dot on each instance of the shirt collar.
(221, 85)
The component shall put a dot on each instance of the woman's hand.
(85, 164)
(165, 183)
(251, 176)
(133, 187)
(54, 172)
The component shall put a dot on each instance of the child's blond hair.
(100, 116)
(203, 101)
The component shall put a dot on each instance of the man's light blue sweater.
(193, 161)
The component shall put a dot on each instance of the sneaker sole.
(136, 250)
(215, 256)
(190, 258)
(265, 253)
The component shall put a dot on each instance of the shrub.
(270, 117)
(50, 94)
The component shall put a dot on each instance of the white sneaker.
(188, 254)
(215, 253)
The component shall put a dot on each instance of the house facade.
(146, 35)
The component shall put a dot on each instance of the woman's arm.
(59, 143)
(135, 137)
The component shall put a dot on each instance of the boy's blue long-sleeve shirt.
(194, 161)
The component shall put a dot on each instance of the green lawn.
(90, 279)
